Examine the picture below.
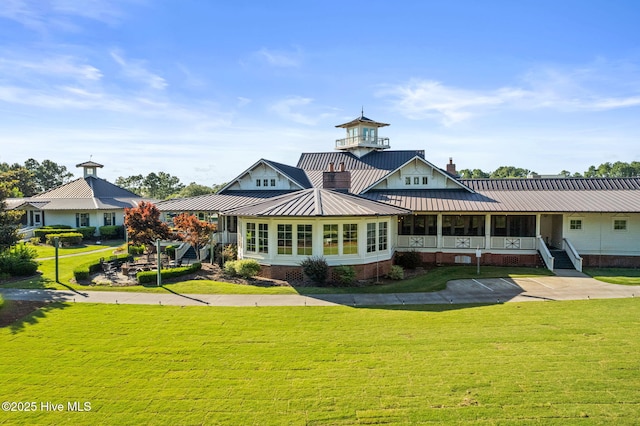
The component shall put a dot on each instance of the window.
(350, 238)
(263, 238)
(251, 237)
(82, 219)
(258, 182)
(232, 223)
(109, 219)
(265, 182)
(425, 180)
(463, 225)
(382, 235)
(620, 224)
(575, 224)
(371, 237)
(285, 239)
(330, 239)
(273, 182)
(407, 181)
(419, 224)
(513, 226)
(305, 240)
(416, 180)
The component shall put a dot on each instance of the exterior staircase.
(561, 259)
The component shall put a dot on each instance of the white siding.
(597, 235)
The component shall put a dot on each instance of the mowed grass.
(624, 276)
(559, 363)
(45, 251)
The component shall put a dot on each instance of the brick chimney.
(451, 168)
(339, 180)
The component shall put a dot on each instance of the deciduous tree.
(194, 231)
(144, 225)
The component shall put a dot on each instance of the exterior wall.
(493, 259)
(597, 236)
(361, 258)
(416, 169)
(262, 172)
(96, 218)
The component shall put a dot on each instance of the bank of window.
(109, 219)
(285, 239)
(82, 219)
(463, 225)
(620, 225)
(382, 235)
(419, 224)
(263, 238)
(305, 240)
(350, 238)
(513, 225)
(330, 239)
(575, 224)
(371, 237)
(251, 237)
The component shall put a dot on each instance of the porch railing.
(545, 253)
(573, 254)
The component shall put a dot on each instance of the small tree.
(193, 230)
(144, 225)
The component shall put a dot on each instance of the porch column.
(439, 231)
(487, 231)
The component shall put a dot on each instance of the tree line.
(618, 169)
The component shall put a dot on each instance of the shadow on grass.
(17, 313)
(184, 295)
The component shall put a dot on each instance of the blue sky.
(203, 89)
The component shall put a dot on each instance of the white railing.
(362, 141)
(573, 254)
(545, 253)
(26, 232)
(181, 250)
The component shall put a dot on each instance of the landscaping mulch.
(13, 310)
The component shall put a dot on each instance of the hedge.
(146, 277)
(45, 230)
(111, 231)
(86, 231)
(82, 272)
(67, 238)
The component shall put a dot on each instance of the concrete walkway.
(567, 285)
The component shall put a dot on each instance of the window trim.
(621, 220)
(576, 224)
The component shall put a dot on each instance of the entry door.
(37, 219)
(551, 230)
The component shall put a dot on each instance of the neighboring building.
(86, 201)
(363, 203)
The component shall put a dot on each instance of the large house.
(363, 203)
(86, 201)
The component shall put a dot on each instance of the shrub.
(246, 268)
(345, 275)
(408, 259)
(86, 231)
(111, 231)
(35, 241)
(43, 231)
(147, 277)
(230, 251)
(1, 301)
(396, 272)
(136, 250)
(66, 239)
(170, 251)
(19, 261)
(316, 268)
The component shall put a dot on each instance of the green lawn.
(534, 363)
(625, 276)
(45, 251)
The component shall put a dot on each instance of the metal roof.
(88, 193)
(316, 202)
(217, 202)
(296, 174)
(362, 119)
(555, 184)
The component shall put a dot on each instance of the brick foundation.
(602, 261)
(294, 273)
(441, 258)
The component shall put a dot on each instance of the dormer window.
(258, 182)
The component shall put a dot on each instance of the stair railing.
(181, 250)
(573, 254)
(545, 253)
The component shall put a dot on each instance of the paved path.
(569, 285)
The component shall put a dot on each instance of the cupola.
(90, 168)
(362, 136)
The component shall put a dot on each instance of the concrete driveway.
(567, 285)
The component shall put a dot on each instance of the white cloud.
(279, 58)
(584, 89)
(136, 70)
(291, 109)
(53, 66)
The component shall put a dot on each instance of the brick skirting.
(294, 273)
(602, 261)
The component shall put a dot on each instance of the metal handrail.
(362, 141)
